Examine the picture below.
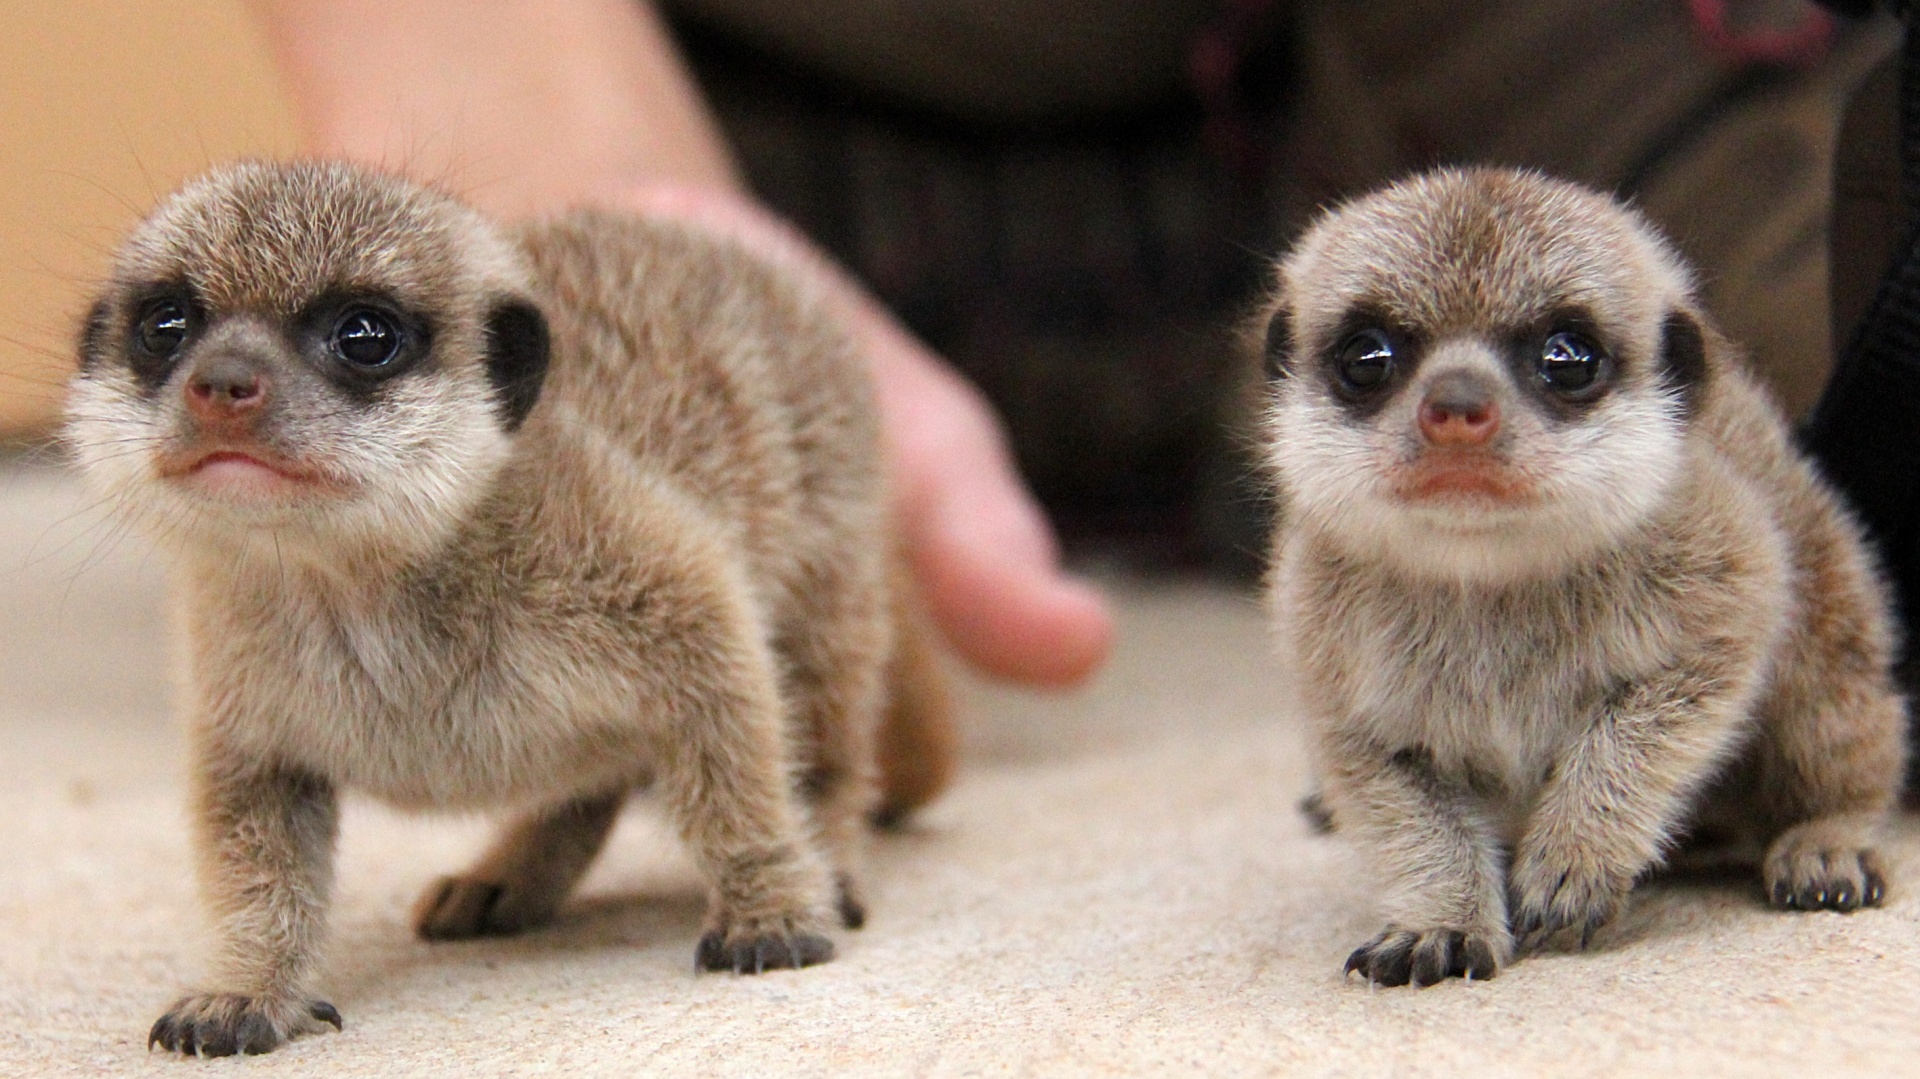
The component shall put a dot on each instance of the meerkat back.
(758, 402)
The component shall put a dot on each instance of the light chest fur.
(387, 696)
(1498, 682)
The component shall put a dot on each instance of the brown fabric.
(1731, 159)
(1868, 220)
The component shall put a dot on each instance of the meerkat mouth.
(246, 474)
(1474, 481)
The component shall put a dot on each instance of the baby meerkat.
(470, 518)
(1560, 592)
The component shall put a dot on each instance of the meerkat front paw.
(1548, 893)
(1804, 871)
(1424, 957)
(754, 946)
(222, 1024)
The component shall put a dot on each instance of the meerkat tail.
(918, 744)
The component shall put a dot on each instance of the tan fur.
(1663, 626)
(918, 745)
(675, 572)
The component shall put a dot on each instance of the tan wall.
(104, 106)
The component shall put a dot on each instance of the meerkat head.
(1482, 374)
(306, 353)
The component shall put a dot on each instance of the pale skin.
(527, 108)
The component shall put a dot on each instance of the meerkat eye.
(163, 327)
(1570, 362)
(365, 338)
(1364, 361)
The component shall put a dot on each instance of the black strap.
(1860, 9)
(1866, 429)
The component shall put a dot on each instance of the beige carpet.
(1119, 886)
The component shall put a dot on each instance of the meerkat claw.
(759, 954)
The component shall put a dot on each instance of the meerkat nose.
(224, 387)
(1459, 410)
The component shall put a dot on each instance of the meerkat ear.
(1277, 351)
(1683, 358)
(93, 335)
(516, 357)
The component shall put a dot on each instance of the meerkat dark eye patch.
(1364, 362)
(162, 328)
(161, 324)
(1564, 363)
(358, 341)
(1571, 363)
(1683, 358)
(93, 334)
(365, 338)
(1366, 359)
(517, 348)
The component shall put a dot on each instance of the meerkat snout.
(225, 392)
(1459, 411)
(1461, 461)
(227, 395)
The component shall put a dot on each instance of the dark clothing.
(1085, 258)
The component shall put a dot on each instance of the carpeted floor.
(1120, 885)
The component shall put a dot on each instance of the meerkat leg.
(918, 744)
(264, 839)
(726, 769)
(729, 785)
(1826, 864)
(836, 658)
(1614, 801)
(838, 780)
(1831, 770)
(1444, 906)
(524, 876)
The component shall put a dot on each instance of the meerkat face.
(1480, 374)
(306, 351)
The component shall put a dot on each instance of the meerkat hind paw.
(847, 901)
(1806, 878)
(462, 908)
(1318, 814)
(1429, 957)
(222, 1024)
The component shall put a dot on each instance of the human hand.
(540, 106)
(981, 550)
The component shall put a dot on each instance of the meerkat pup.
(1559, 590)
(469, 518)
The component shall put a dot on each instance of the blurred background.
(1076, 203)
(105, 105)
